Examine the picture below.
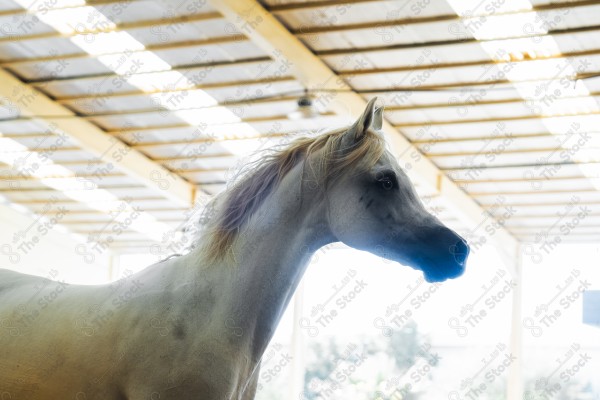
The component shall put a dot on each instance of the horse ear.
(371, 118)
(378, 118)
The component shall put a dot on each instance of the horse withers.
(197, 325)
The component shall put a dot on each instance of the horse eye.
(387, 184)
(387, 180)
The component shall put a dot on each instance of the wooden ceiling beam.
(30, 102)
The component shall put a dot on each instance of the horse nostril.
(460, 250)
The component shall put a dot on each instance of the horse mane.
(231, 209)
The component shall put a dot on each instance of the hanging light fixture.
(305, 109)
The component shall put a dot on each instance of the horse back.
(12, 280)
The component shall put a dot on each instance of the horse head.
(374, 207)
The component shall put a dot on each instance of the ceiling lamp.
(305, 109)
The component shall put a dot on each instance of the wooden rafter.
(30, 102)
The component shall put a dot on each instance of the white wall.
(37, 246)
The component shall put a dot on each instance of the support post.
(514, 386)
(113, 265)
(297, 371)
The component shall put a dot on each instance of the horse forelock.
(231, 209)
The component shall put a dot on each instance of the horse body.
(175, 330)
(196, 326)
(40, 354)
(145, 338)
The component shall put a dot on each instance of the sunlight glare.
(549, 97)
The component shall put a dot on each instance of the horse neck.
(271, 254)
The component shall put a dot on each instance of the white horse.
(196, 326)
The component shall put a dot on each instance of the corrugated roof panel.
(384, 36)
(471, 95)
(43, 142)
(474, 129)
(42, 47)
(210, 177)
(341, 14)
(183, 31)
(541, 234)
(23, 24)
(49, 194)
(577, 41)
(540, 198)
(407, 57)
(492, 73)
(506, 142)
(201, 161)
(21, 127)
(93, 175)
(298, 127)
(518, 108)
(453, 112)
(10, 5)
(238, 147)
(524, 185)
(457, 52)
(131, 11)
(447, 30)
(61, 68)
(71, 155)
(502, 158)
(519, 223)
(202, 75)
(539, 209)
(538, 172)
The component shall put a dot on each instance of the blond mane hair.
(231, 209)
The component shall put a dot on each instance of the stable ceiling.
(134, 109)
